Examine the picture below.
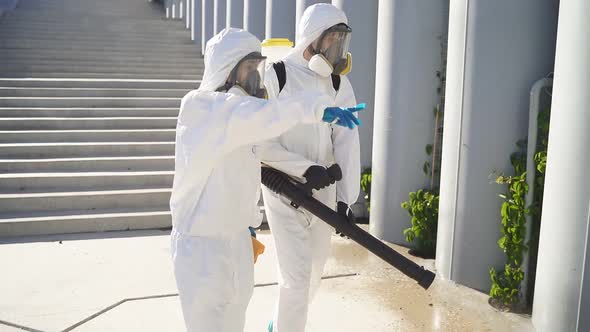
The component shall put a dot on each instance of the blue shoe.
(270, 326)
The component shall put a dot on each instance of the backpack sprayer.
(300, 195)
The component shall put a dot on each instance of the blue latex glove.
(343, 116)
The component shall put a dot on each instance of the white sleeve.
(272, 152)
(345, 143)
(212, 124)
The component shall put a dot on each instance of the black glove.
(317, 177)
(343, 209)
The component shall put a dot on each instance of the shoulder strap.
(279, 68)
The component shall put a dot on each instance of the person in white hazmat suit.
(302, 240)
(217, 177)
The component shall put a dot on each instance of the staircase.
(89, 94)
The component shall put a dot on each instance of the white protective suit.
(217, 182)
(303, 241)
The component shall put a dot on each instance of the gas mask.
(247, 77)
(330, 51)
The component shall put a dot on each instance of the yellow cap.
(271, 42)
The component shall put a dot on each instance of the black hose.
(281, 184)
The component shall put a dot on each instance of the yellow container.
(276, 49)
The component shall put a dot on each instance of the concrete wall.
(280, 19)
(6, 5)
(408, 57)
(497, 50)
(254, 17)
(196, 16)
(206, 22)
(584, 320)
(219, 15)
(235, 13)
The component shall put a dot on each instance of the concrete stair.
(89, 92)
(48, 182)
(77, 135)
(89, 95)
(32, 204)
(88, 164)
(85, 149)
(88, 123)
(107, 83)
(81, 221)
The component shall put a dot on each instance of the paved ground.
(123, 281)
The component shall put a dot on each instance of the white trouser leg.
(215, 279)
(303, 246)
(321, 236)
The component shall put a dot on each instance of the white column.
(235, 13)
(562, 289)
(206, 23)
(362, 18)
(196, 18)
(490, 70)
(168, 8)
(188, 13)
(219, 16)
(254, 17)
(408, 57)
(280, 19)
(176, 9)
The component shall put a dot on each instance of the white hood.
(315, 20)
(223, 52)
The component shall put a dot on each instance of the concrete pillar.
(280, 19)
(196, 18)
(490, 70)
(235, 13)
(408, 57)
(168, 8)
(254, 17)
(206, 22)
(562, 288)
(176, 9)
(219, 15)
(188, 13)
(300, 8)
(363, 46)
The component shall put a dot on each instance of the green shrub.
(366, 186)
(422, 207)
(506, 283)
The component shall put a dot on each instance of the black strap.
(279, 68)
(336, 82)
